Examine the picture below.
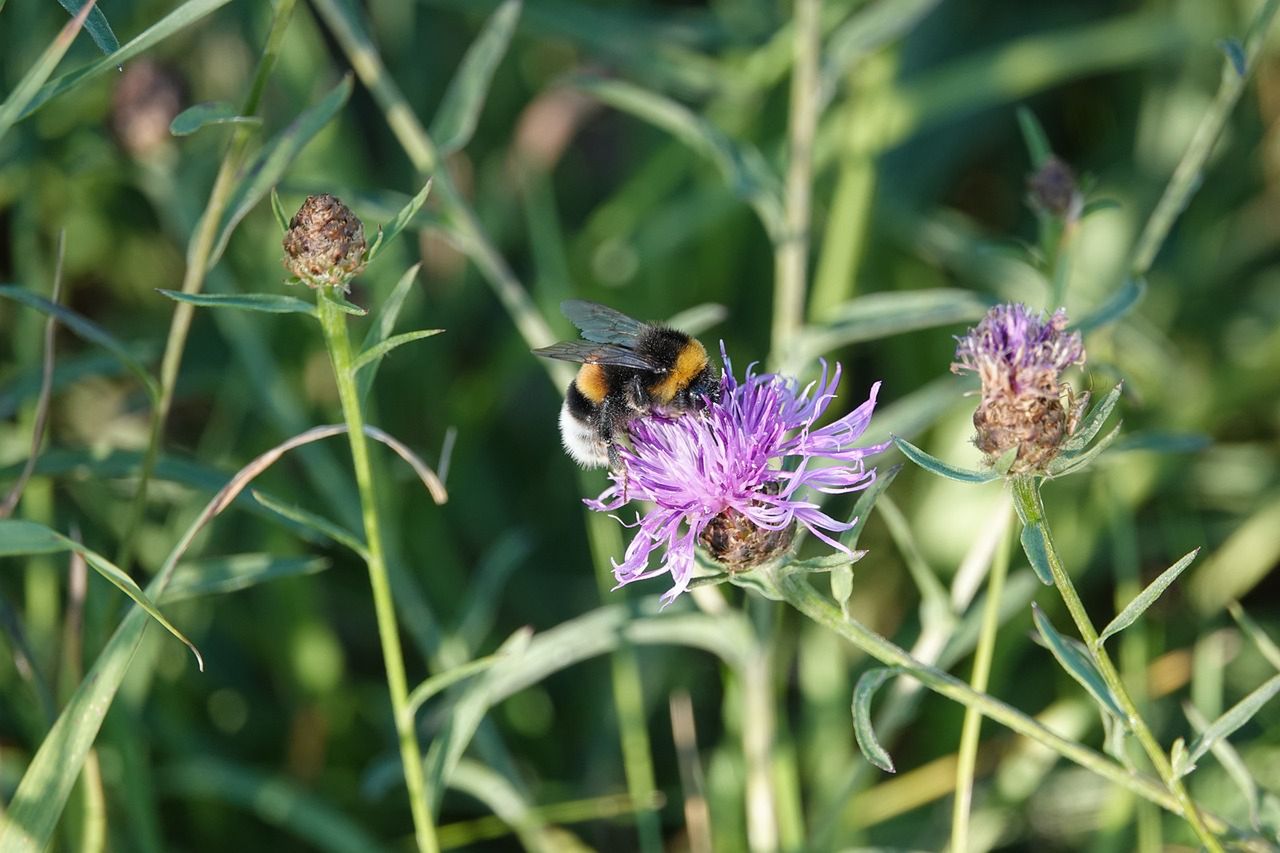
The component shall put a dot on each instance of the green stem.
(198, 251)
(791, 253)
(800, 595)
(1026, 495)
(968, 754)
(333, 321)
(1186, 177)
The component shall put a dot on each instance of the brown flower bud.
(324, 245)
(739, 544)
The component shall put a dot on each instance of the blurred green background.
(919, 183)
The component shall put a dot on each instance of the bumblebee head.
(705, 386)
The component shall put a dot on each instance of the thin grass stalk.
(791, 253)
(198, 252)
(1187, 174)
(1026, 494)
(333, 321)
(801, 595)
(967, 756)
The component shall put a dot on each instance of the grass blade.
(183, 16)
(936, 466)
(194, 118)
(377, 352)
(311, 521)
(455, 120)
(270, 303)
(441, 681)
(395, 226)
(1265, 644)
(1231, 762)
(1146, 598)
(272, 161)
(863, 692)
(90, 331)
(236, 572)
(96, 25)
(1237, 716)
(1121, 303)
(1076, 662)
(27, 90)
(743, 167)
(19, 537)
(882, 315)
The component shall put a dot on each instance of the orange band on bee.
(593, 383)
(691, 361)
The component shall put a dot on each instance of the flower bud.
(1020, 359)
(1053, 190)
(739, 544)
(324, 245)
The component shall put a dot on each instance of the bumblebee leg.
(614, 417)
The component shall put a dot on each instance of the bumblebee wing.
(585, 352)
(600, 323)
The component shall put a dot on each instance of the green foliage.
(518, 154)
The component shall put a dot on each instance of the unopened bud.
(324, 245)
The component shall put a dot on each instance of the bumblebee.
(629, 370)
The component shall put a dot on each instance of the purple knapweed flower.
(1019, 358)
(733, 477)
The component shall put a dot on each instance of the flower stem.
(968, 753)
(333, 321)
(802, 596)
(791, 249)
(1026, 495)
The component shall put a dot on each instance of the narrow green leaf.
(395, 226)
(1037, 551)
(1121, 303)
(1075, 660)
(326, 528)
(275, 800)
(86, 329)
(1146, 598)
(937, 466)
(699, 318)
(26, 537)
(343, 304)
(236, 572)
(1232, 763)
(372, 355)
(420, 695)
(1235, 55)
(883, 315)
(27, 90)
(744, 168)
(842, 575)
(96, 25)
(870, 28)
(270, 303)
(842, 586)
(863, 692)
(1034, 137)
(193, 118)
(380, 330)
(455, 120)
(183, 16)
(1162, 441)
(1092, 422)
(1260, 638)
(277, 209)
(1237, 716)
(1070, 463)
(19, 538)
(274, 158)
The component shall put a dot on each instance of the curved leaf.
(90, 331)
(193, 118)
(19, 537)
(270, 303)
(936, 466)
(237, 572)
(395, 226)
(96, 25)
(376, 352)
(1037, 551)
(27, 91)
(1077, 663)
(455, 120)
(1233, 719)
(863, 692)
